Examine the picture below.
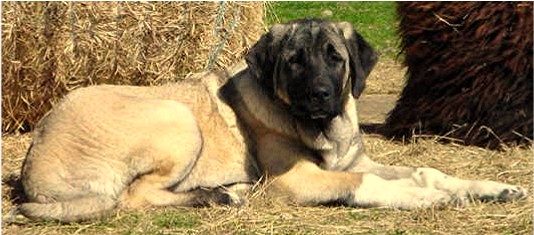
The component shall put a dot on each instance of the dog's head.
(311, 64)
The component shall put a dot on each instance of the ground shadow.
(15, 189)
(373, 128)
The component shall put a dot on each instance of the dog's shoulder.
(251, 102)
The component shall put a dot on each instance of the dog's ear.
(362, 57)
(263, 56)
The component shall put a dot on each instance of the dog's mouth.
(314, 114)
(320, 115)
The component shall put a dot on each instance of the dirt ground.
(260, 216)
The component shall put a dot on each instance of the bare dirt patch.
(387, 78)
(383, 86)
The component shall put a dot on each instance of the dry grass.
(49, 48)
(262, 216)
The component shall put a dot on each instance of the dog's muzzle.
(321, 102)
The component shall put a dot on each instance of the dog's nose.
(321, 93)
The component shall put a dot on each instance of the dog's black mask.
(309, 64)
(313, 77)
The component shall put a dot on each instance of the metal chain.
(226, 34)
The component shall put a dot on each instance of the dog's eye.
(336, 57)
(296, 58)
(333, 55)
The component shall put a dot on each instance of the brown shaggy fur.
(469, 72)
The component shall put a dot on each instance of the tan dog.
(290, 115)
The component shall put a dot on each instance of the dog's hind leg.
(168, 159)
(88, 207)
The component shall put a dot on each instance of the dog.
(288, 116)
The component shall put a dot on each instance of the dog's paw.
(15, 217)
(459, 202)
(494, 191)
(512, 193)
(507, 193)
(229, 197)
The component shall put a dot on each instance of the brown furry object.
(469, 72)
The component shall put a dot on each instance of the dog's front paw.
(494, 191)
(513, 193)
(508, 193)
(225, 196)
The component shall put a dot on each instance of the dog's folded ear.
(263, 56)
(362, 57)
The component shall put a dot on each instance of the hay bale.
(469, 72)
(49, 48)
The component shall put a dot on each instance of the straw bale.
(469, 72)
(50, 48)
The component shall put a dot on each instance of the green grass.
(375, 21)
(170, 219)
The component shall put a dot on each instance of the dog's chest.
(337, 144)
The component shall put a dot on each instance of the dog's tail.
(87, 208)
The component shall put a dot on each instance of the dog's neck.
(261, 107)
(335, 139)
(332, 141)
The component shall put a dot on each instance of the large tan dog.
(289, 115)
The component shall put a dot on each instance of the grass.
(376, 21)
(263, 216)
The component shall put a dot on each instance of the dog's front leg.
(295, 176)
(435, 179)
